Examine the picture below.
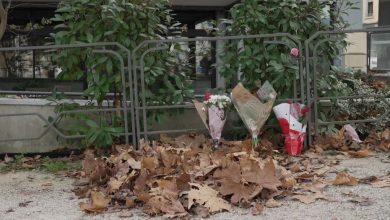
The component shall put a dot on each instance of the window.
(370, 8)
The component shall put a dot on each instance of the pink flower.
(207, 95)
(294, 52)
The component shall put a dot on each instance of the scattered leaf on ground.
(343, 178)
(257, 209)
(98, 204)
(360, 153)
(207, 197)
(272, 203)
(309, 198)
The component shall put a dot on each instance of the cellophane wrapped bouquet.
(213, 112)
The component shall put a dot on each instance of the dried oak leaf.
(98, 204)
(344, 178)
(207, 197)
(360, 153)
(265, 177)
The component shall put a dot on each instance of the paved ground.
(33, 195)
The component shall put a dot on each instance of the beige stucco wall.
(355, 55)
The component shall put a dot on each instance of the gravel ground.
(33, 195)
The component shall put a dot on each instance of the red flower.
(305, 110)
(207, 95)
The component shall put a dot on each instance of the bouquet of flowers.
(254, 110)
(293, 127)
(213, 114)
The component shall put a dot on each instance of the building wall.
(355, 16)
(384, 13)
(370, 20)
(355, 55)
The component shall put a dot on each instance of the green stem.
(255, 141)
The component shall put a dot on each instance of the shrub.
(258, 61)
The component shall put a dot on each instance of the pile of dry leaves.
(184, 176)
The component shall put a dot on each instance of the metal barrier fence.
(127, 102)
(135, 106)
(142, 107)
(313, 97)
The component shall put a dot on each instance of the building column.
(220, 81)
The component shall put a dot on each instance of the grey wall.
(355, 17)
(384, 13)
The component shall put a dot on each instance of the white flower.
(220, 101)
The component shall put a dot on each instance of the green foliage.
(57, 165)
(346, 82)
(128, 23)
(100, 129)
(257, 60)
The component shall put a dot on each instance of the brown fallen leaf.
(136, 165)
(165, 199)
(24, 204)
(98, 204)
(206, 196)
(322, 171)
(130, 203)
(230, 184)
(257, 209)
(360, 153)
(272, 203)
(190, 140)
(114, 184)
(368, 180)
(10, 210)
(309, 198)
(240, 192)
(149, 163)
(363, 201)
(381, 183)
(47, 184)
(81, 182)
(344, 178)
(265, 177)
